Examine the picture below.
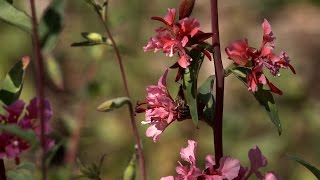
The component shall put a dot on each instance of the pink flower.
(12, 146)
(240, 52)
(175, 37)
(161, 108)
(229, 167)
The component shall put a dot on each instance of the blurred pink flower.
(161, 108)
(176, 36)
(240, 52)
(229, 167)
(12, 146)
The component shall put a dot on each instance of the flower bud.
(185, 9)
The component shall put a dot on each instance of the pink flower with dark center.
(175, 37)
(240, 52)
(161, 108)
(12, 146)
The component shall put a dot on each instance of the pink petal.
(238, 51)
(187, 153)
(271, 176)
(170, 16)
(184, 61)
(210, 161)
(167, 178)
(229, 167)
(155, 130)
(256, 158)
(163, 79)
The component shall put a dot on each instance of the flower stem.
(219, 71)
(40, 85)
(2, 170)
(132, 117)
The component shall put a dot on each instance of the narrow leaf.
(51, 24)
(307, 165)
(14, 16)
(189, 84)
(130, 171)
(206, 98)
(113, 104)
(263, 96)
(11, 86)
(54, 71)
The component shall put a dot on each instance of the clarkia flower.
(256, 59)
(161, 108)
(229, 168)
(175, 37)
(12, 146)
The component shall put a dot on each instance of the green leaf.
(27, 135)
(112, 104)
(14, 16)
(54, 71)
(307, 165)
(11, 86)
(22, 172)
(51, 24)
(263, 96)
(131, 170)
(206, 98)
(189, 83)
(10, 1)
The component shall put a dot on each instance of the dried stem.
(2, 170)
(124, 80)
(219, 71)
(40, 85)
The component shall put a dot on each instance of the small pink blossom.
(240, 52)
(175, 37)
(161, 108)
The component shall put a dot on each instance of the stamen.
(171, 52)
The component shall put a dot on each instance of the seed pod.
(185, 9)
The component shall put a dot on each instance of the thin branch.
(124, 80)
(40, 85)
(219, 71)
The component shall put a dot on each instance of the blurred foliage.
(92, 74)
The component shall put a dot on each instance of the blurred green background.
(91, 75)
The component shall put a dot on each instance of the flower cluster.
(161, 108)
(229, 168)
(175, 37)
(12, 146)
(243, 55)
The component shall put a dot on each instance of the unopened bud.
(185, 9)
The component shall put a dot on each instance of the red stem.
(40, 85)
(219, 71)
(132, 117)
(2, 170)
